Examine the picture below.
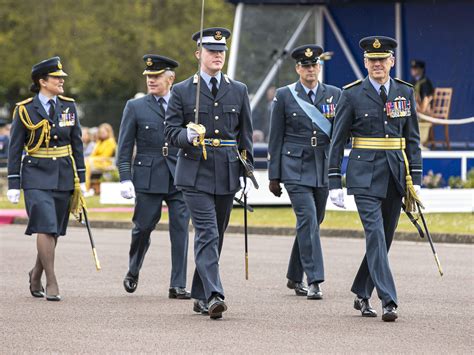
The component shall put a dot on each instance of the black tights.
(46, 245)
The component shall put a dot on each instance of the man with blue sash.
(300, 131)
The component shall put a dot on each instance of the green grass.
(454, 223)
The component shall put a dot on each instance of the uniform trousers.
(379, 217)
(146, 215)
(309, 205)
(210, 215)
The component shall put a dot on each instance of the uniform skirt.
(48, 211)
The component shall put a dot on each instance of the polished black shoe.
(389, 313)
(363, 305)
(35, 293)
(314, 292)
(299, 287)
(216, 307)
(130, 282)
(179, 293)
(200, 306)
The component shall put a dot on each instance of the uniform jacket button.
(55, 136)
(358, 157)
(54, 158)
(216, 117)
(216, 131)
(216, 104)
(29, 161)
(233, 110)
(386, 136)
(54, 125)
(139, 163)
(366, 115)
(294, 113)
(146, 127)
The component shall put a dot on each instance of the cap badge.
(60, 66)
(218, 36)
(376, 43)
(149, 62)
(308, 52)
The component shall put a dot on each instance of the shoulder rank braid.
(26, 120)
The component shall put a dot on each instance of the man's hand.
(245, 184)
(13, 196)
(191, 134)
(127, 190)
(337, 197)
(275, 187)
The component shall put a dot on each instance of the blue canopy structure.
(439, 32)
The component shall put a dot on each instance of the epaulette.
(352, 84)
(403, 82)
(24, 101)
(65, 98)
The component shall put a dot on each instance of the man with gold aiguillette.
(384, 166)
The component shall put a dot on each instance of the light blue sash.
(312, 112)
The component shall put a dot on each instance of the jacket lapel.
(320, 94)
(223, 88)
(393, 93)
(154, 105)
(204, 89)
(40, 109)
(301, 92)
(370, 91)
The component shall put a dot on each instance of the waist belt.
(411, 198)
(216, 142)
(54, 152)
(307, 141)
(378, 143)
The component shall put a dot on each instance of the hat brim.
(154, 72)
(58, 73)
(308, 62)
(215, 47)
(377, 55)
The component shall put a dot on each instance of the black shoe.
(130, 282)
(314, 292)
(216, 307)
(299, 287)
(389, 313)
(54, 298)
(363, 305)
(179, 293)
(35, 293)
(200, 306)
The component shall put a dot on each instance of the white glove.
(337, 197)
(246, 187)
(417, 189)
(83, 188)
(126, 189)
(13, 195)
(191, 134)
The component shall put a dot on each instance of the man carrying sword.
(208, 170)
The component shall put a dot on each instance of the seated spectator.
(101, 158)
(422, 85)
(4, 141)
(87, 141)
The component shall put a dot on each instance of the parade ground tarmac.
(97, 316)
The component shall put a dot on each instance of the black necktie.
(51, 109)
(214, 88)
(383, 94)
(161, 102)
(310, 95)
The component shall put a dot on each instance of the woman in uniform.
(52, 170)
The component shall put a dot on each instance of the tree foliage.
(100, 43)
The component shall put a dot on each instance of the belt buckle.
(164, 151)
(216, 142)
(314, 142)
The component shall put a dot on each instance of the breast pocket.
(231, 114)
(294, 120)
(190, 111)
(148, 131)
(291, 162)
(360, 168)
(366, 120)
